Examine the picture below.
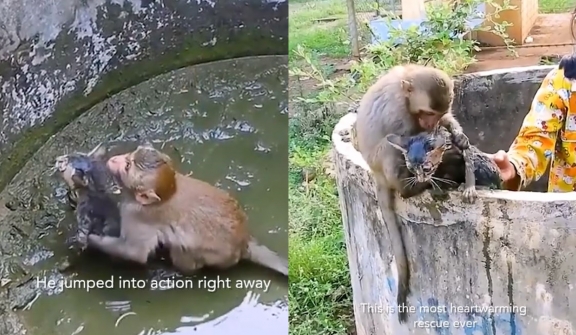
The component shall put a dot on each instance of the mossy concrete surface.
(59, 58)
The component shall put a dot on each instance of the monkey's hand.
(97, 242)
(460, 140)
(118, 247)
(468, 193)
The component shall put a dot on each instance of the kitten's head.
(83, 171)
(74, 168)
(422, 153)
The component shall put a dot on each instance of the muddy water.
(227, 123)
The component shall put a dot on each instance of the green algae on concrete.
(55, 69)
(119, 46)
(227, 122)
(66, 111)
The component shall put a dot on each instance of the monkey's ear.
(406, 86)
(98, 152)
(147, 197)
(395, 141)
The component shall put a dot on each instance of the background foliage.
(320, 293)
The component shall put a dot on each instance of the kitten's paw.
(461, 141)
(470, 194)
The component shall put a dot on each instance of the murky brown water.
(226, 122)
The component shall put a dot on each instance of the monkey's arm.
(459, 139)
(449, 122)
(470, 179)
(127, 249)
(533, 147)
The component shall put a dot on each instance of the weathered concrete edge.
(258, 40)
(522, 206)
(519, 73)
(481, 81)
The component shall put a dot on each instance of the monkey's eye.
(128, 165)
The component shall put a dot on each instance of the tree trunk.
(504, 265)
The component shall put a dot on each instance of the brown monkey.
(201, 225)
(405, 101)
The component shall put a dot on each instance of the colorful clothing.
(549, 134)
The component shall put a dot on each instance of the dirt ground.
(551, 38)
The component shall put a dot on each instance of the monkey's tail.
(386, 199)
(261, 255)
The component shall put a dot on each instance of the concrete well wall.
(501, 266)
(491, 106)
(58, 58)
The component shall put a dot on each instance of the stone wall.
(491, 106)
(58, 58)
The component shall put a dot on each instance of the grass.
(328, 36)
(320, 294)
(555, 6)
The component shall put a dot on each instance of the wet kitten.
(431, 158)
(91, 186)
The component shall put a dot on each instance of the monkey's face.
(420, 106)
(428, 102)
(428, 119)
(120, 166)
(128, 167)
(146, 172)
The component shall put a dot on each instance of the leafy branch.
(444, 40)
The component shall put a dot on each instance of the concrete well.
(500, 266)
(60, 58)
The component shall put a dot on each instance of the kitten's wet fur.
(91, 186)
(431, 158)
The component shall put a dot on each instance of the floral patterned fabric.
(548, 133)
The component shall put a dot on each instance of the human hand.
(507, 170)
